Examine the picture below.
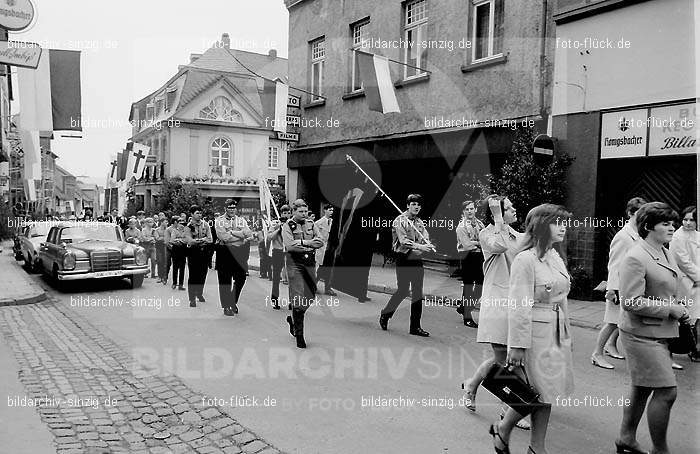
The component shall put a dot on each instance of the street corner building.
(624, 105)
(465, 76)
(211, 124)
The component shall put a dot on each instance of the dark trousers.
(160, 260)
(409, 273)
(473, 279)
(277, 260)
(265, 261)
(231, 269)
(179, 257)
(197, 264)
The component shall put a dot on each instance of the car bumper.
(77, 275)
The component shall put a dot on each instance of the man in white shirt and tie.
(324, 228)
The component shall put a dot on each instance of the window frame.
(491, 35)
(270, 150)
(421, 26)
(354, 46)
(319, 60)
(220, 116)
(219, 159)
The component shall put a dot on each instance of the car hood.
(102, 245)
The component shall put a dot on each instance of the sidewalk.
(16, 287)
(444, 291)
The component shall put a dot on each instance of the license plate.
(107, 273)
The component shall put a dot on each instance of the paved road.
(312, 401)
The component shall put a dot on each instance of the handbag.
(685, 342)
(515, 392)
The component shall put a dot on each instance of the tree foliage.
(177, 196)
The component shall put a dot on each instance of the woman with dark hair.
(649, 282)
(685, 247)
(539, 340)
(499, 243)
(472, 260)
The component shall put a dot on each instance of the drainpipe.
(543, 47)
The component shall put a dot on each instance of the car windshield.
(92, 232)
(39, 230)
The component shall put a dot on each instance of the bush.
(581, 283)
(177, 196)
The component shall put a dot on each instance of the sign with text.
(16, 53)
(16, 15)
(293, 120)
(293, 101)
(290, 136)
(623, 134)
(673, 129)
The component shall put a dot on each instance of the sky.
(132, 47)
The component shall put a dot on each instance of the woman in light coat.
(499, 243)
(539, 339)
(685, 247)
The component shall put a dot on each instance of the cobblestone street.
(96, 399)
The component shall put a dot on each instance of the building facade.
(624, 104)
(469, 73)
(209, 125)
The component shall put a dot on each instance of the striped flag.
(379, 89)
(50, 95)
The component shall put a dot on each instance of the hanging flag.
(137, 160)
(379, 89)
(35, 96)
(30, 190)
(66, 100)
(274, 99)
(32, 154)
(112, 174)
(120, 166)
(50, 97)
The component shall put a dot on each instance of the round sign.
(16, 15)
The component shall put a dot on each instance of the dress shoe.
(676, 366)
(201, 299)
(228, 311)
(235, 308)
(470, 323)
(601, 362)
(291, 325)
(173, 286)
(384, 322)
(419, 332)
(181, 288)
(193, 304)
(364, 299)
(276, 306)
(613, 353)
(623, 449)
(330, 292)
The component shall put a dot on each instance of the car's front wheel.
(136, 280)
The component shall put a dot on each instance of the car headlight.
(140, 256)
(69, 261)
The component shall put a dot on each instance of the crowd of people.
(517, 283)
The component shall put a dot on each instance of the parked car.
(30, 238)
(93, 250)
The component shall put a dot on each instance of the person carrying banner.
(324, 229)
(198, 238)
(301, 239)
(410, 242)
(277, 257)
(233, 237)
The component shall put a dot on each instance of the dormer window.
(221, 109)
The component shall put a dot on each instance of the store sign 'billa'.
(24, 55)
(623, 134)
(672, 130)
(16, 15)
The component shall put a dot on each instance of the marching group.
(518, 281)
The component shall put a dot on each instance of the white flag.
(35, 96)
(138, 156)
(281, 95)
(32, 154)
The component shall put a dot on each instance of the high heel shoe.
(469, 399)
(622, 449)
(600, 362)
(494, 433)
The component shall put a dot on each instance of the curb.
(37, 294)
(376, 288)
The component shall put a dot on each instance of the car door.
(48, 250)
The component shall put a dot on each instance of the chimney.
(225, 41)
(194, 57)
(272, 53)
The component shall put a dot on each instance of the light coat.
(649, 286)
(538, 321)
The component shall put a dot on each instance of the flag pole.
(349, 158)
(391, 60)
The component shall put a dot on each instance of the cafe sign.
(673, 129)
(16, 15)
(623, 134)
(16, 53)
